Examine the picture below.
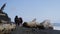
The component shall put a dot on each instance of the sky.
(30, 9)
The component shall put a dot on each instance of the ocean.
(56, 26)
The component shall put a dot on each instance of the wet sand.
(23, 30)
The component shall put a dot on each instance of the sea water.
(56, 26)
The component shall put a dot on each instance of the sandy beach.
(22, 30)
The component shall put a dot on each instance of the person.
(20, 20)
(16, 20)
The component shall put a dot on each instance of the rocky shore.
(7, 27)
(22, 30)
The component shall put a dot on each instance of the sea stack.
(4, 16)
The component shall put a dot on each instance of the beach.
(23, 30)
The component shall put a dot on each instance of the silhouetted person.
(16, 20)
(20, 19)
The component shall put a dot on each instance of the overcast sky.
(30, 9)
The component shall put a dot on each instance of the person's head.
(16, 16)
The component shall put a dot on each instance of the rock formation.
(4, 16)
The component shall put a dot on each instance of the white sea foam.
(56, 27)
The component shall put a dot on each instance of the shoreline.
(22, 30)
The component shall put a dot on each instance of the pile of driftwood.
(43, 25)
(7, 28)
